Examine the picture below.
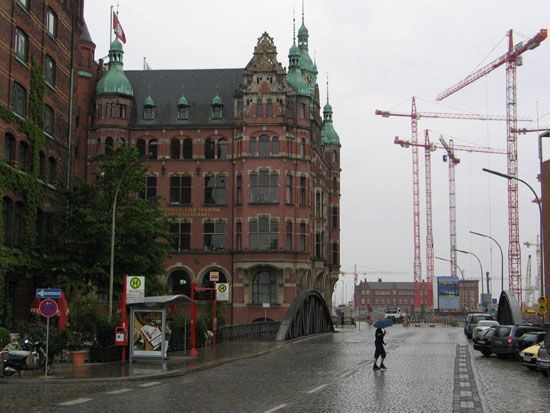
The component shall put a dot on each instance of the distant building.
(379, 295)
(468, 295)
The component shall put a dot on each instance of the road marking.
(119, 391)
(279, 407)
(153, 383)
(345, 373)
(322, 386)
(76, 401)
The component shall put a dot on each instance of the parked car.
(483, 343)
(471, 321)
(481, 326)
(543, 359)
(528, 356)
(506, 339)
(530, 338)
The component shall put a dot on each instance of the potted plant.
(82, 330)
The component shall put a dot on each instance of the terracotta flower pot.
(78, 357)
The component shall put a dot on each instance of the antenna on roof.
(302, 12)
(327, 88)
(294, 24)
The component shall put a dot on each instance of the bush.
(106, 331)
(83, 322)
(4, 337)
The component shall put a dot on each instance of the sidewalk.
(177, 364)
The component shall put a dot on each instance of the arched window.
(264, 288)
(49, 70)
(209, 149)
(47, 119)
(21, 45)
(121, 142)
(175, 148)
(52, 170)
(19, 100)
(180, 283)
(140, 145)
(302, 148)
(334, 156)
(108, 143)
(153, 148)
(263, 146)
(206, 283)
(24, 159)
(42, 166)
(51, 23)
(253, 148)
(7, 220)
(275, 146)
(222, 149)
(335, 184)
(9, 148)
(188, 149)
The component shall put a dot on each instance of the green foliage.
(83, 322)
(106, 331)
(4, 337)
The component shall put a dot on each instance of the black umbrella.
(384, 323)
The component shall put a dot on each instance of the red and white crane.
(512, 58)
(414, 115)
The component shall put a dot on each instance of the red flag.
(117, 27)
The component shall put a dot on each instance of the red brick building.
(241, 156)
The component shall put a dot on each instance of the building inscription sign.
(194, 212)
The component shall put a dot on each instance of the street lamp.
(480, 266)
(540, 212)
(501, 258)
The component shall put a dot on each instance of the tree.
(78, 252)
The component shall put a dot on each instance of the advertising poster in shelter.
(447, 293)
(147, 331)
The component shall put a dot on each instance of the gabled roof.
(201, 86)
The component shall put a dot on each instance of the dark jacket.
(379, 337)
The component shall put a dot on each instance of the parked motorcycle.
(32, 357)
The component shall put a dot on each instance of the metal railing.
(250, 331)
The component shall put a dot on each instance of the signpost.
(265, 306)
(47, 308)
(135, 289)
(214, 276)
(48, 293)
(222, 292)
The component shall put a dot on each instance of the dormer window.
(217, 112)
(149, 113)
(183, 112)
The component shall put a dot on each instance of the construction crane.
(453, 160)
(529, 289)
(415, 116)
(538, 254)
(512, 58)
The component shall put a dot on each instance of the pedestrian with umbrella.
(379, 343)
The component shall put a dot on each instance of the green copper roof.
(328, 134)
(149, 102)
(217, 101)
(183, 101)
(294, 50)
(298, 82)
(114, 81)
(306, 63)
(302, 31)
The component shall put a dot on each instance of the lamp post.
(480, 267)
(463, 280)
(501, 257)
(540, 211)
(113, 231)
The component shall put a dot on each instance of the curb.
(165, 375)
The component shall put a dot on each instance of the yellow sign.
(222, 292)
(542, 301)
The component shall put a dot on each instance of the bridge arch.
(508, 309)
(308, 314)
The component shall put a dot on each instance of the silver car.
(481, 327)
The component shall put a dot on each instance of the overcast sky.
(378, 54)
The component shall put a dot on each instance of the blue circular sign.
(48, 307)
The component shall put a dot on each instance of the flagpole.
(111, 28)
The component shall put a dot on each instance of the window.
(318, 245)
(264, 187)
(302, 190)
(24, 158)
(289, 189)
(253, 148)
(318, 204)
(109, 110)
(180, 190)
(214, 190)
(214, 235)
(239, 197)
(140, 145)
(263, 146)
(180, 283)
(9, 148)
(187, 149)
(121, 142)
(149, 113)
(335, 217)
(175, 148)
(181, 236)
(288, 236)
(108, 144)
(302, 148)
(21, 45)
(335, 184)
(209, 152)
(239, 236)
(334, 156)
(264, 288)
(13, 222)
(19, 99)
(302, 236)
(153, 148)
(24, 4)
(183, 112)
(275, 146)
(150, 188)
(269, 108)
(222, 149)
(52, 170)
(217, 112)
(122, 111)
(49, 70)
(51, 23)
(264, 233)
(48, 120)
(42, 166)
(259, 108)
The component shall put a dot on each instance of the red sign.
(48, 307)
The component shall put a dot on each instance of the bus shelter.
(149, 333)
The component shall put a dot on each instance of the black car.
(506, 339)
(530, 338)
(484, 342)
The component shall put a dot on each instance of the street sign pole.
(47, 346)
(214, 318)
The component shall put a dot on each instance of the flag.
(117, 28)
